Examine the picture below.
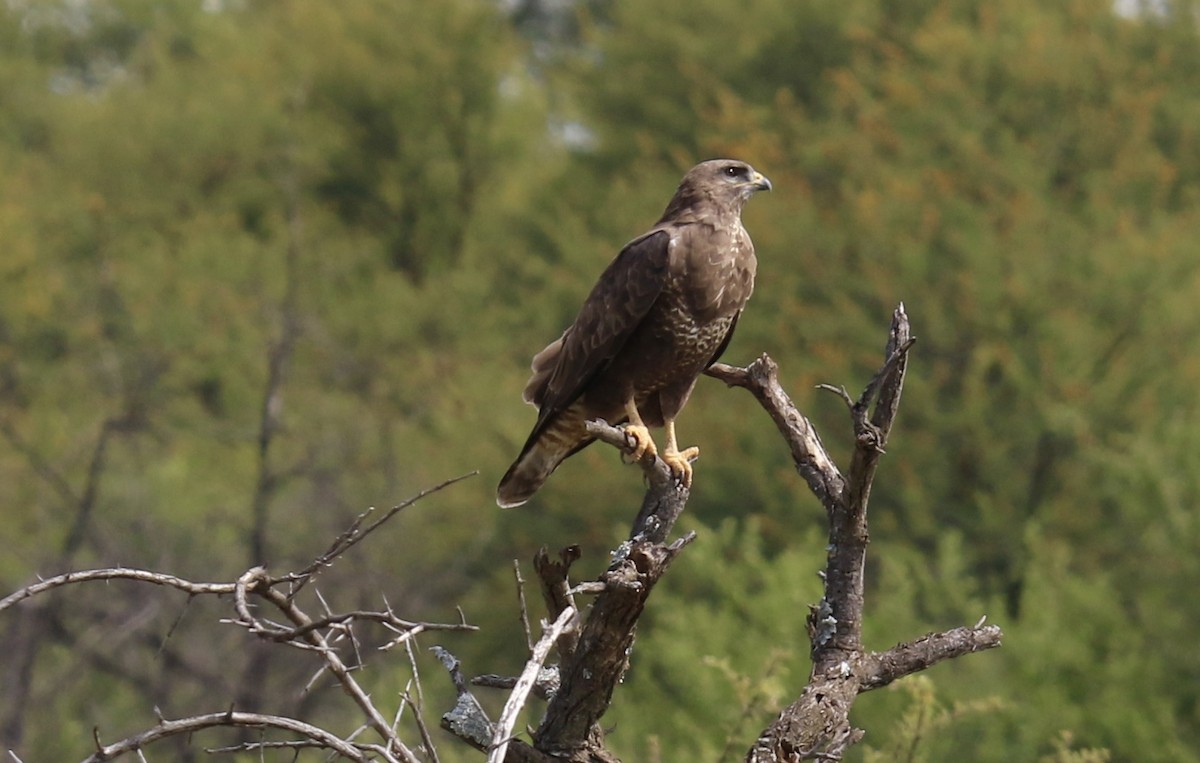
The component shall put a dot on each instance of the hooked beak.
(760, 182)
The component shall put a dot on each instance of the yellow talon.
(640, 442)
(637, 433)
(680, 463)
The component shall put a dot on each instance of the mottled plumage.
(662, 312)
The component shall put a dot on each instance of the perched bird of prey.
(662, 312)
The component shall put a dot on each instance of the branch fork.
(816, 726)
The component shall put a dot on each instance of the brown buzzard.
(662, 312)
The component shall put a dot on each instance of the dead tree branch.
(817, 726)
(258, 582)
(319, 737)
(516, 700)
(595, 655)
(590, 674)
(881, 668)
(761, 378)
(115, 573)
(594, 651)
(355, 533)
(250, 593)
(556, 592)
(665, 498)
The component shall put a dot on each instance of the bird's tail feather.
(526, 475)
(542, 455)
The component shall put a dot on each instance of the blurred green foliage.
(400, 203)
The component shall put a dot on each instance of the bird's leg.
(637, 433)
(679, 461)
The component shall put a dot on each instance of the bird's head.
(740, 176)
(726, 182)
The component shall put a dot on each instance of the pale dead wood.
(516, 699)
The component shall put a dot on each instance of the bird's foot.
(680, 463)
(640, 443)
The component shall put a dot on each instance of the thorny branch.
(256, 580)
(304, 632)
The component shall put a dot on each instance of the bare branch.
(871, 434)
(290, 744)
(354, 534)
(165, 729)
(516, 700)
(599, 662)
(544, 687)
(303, 632)
(467, 720)
(524, 612)
(256, 580)
(422, 728)
(594, 656)
(406, 637)
(115, 573)
(407, 628)
(665, 497)
(813, 463)
(816, 726)
(881, 668)
(418, 705)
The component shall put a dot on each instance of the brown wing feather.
(617, 304)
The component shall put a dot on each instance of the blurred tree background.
(266, 264)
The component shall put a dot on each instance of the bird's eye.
(732, 171)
